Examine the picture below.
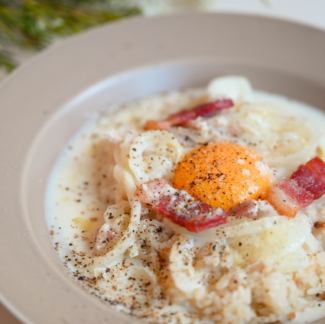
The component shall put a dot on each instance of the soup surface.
(179, 208)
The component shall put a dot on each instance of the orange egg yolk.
(222, 174)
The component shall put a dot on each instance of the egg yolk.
(222, 174)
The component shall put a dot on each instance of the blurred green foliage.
(32, 24)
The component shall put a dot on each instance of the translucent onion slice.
(185, 277)
(234, 87)
(282, 139)
(115, 220)
(115, 255)
(153, 155)
(269, 239)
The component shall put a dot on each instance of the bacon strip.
(304, 186)
(182, 117)
(180, 207)
(319, 225)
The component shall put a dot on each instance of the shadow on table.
(7, 317)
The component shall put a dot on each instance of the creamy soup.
(176, 208)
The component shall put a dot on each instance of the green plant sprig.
(32, 24)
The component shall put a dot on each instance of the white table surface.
(311, 12)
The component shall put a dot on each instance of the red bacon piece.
(182, 117)
(180, 207)
(304, 186)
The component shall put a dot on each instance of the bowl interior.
(119, 89)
